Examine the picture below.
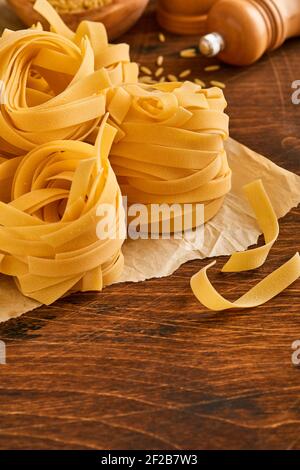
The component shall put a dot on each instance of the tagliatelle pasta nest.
(48, 232)
(53, 83)
(171, 147)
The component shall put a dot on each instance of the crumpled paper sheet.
(234, 228)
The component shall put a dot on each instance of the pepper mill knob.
(211, 44)
(243, 30)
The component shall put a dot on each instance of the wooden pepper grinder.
(184, 16)
(241, 31)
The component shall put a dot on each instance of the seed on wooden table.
(185, 73)
(159, 72)
(218, 84)
(200, 82)
(162, 37)
(147, 80)
(159, 61)
(146, 70)
(172, 78)
(188, 52)
(212, 68)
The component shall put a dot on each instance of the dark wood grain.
(145, 366)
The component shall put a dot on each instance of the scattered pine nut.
(218, 84)
(146, 79)
(162, 79)
(146, 70)
(162, 37)
(160, 60)
(172, 78)
(200, 82)
(212, 68)
(185, 73)
(159, 72)
(188, 52)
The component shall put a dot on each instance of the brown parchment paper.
(234, 228)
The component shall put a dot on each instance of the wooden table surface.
(144, 366)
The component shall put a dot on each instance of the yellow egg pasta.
(264, 291)
(170, 148)
(48, 224)
(53, 84)
(77, 131)
(269, 287)
(267, 221)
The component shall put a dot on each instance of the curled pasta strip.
(170, 146)
(49, 218)
(267, 220)
(53, 84)
(264, 291)
(269, 287)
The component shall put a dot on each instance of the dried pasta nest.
(53, 83)
(171, 149)
(49, 218)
